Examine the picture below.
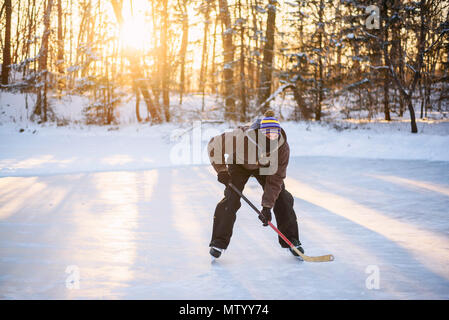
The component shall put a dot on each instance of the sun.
(133, 35)
(134, 32)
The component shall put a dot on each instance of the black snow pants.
(225, 212)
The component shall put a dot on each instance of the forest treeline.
(388, 57)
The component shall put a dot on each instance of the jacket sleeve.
(219, 146)
(216, 153)
(274, 183)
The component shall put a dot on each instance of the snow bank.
(70, 109)
(371, 140)
(18, 108)
(41, 150)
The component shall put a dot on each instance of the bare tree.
(242, 83)
(407, 88)
(60, 58)
(266, 74)
(183, 50)
(228, 59)
(41, 108)
(7, 44)
(164, 60)
(206, 10)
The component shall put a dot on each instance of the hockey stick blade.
(325, 258)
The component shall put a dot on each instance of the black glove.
(224, 177)
(265, 216)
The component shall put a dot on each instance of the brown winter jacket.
(248, 147)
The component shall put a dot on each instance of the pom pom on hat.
(269, 123)
(269, 113)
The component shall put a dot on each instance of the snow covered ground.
(126, 212)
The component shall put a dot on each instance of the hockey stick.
(325, 258)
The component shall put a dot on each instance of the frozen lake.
(144, 234)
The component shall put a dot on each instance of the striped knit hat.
(269, 123)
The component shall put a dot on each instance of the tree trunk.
(320, 62)
(183, 49)
(30, 26)
(213, 78)
(244, 104)
(414, 128)
(7, 46)
(268, 55)
(386, 72)
(41, 100)
(204, 54)
(60, 59)
(165, 63)
(228, 60)
(137, 93)
(386, 98)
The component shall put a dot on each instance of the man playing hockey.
(260, 150)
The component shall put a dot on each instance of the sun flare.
(134, 31)
(132, 34)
